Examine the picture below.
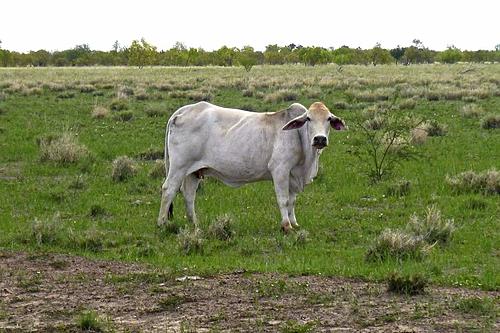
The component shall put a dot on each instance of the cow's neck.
(308, 169)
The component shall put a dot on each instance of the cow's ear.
(337, 124)
(296, 122)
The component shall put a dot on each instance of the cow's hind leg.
(188, 188)
(168, 191)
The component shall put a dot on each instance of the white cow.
(239, 147)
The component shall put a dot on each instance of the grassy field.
(78, 208)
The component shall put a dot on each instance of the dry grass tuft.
(281, 95)
(399, 189)
(62, 149)
(123, 168)
(487, 182)
(433, 128)
(432, 228)
(100, 112)
(418, 136)
(158, 170)
(398, 245)
(190, 241)
(471, 111)
(222, 228)
(118, 104)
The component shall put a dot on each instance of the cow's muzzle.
(320, 142)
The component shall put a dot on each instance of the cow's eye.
(308, 119)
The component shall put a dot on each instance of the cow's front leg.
(281, 187)
(291, 209)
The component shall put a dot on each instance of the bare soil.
(49, 292)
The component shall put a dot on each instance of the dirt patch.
(48, 292)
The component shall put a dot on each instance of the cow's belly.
(232, 173)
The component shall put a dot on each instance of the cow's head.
(318, 120)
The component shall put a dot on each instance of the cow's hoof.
(295, 225)
(286, 227)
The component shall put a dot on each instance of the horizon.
(54, 26)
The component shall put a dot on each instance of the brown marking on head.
(319, 110)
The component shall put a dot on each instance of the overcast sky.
(57, 24)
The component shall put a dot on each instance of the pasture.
(74, 205)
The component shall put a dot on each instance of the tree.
(451, 55)
(397, 53)
(247, 58)
(141, 53)
(378, 55)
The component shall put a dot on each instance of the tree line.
(141, 53)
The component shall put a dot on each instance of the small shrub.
(487, 182)
(301, 237)
(398, 245)
(190, 241)
(90, 321)
(432, 229)
(63, 149)
(125, 116)
(123, 168)
(158, 170)
(222, 227)
(413, 284)
(118, 104)
(281, 95)
(491, 121)
(471, 111)
(100, 112)
(399, 189)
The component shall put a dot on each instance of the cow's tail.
(166, 160)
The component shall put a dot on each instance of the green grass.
(341, 212)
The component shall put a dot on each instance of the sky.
(58, 25)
